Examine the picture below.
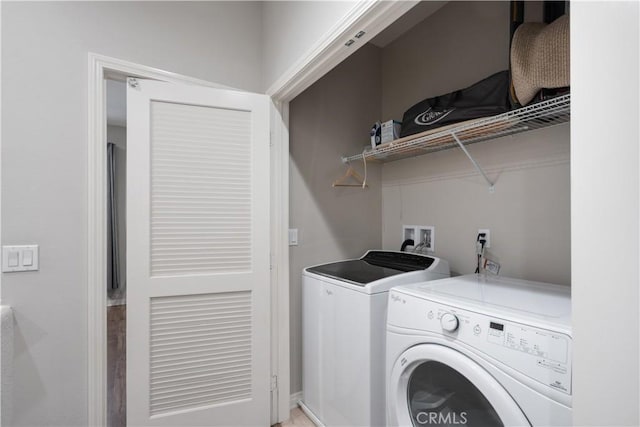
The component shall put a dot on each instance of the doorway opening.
(108, 300)
(116, 141)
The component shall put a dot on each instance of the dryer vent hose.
(406, 243)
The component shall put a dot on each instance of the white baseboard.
(116, 301)
(295, 398)
(309, 413)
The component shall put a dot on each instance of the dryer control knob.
(449, 322)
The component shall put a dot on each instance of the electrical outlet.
(487, 236)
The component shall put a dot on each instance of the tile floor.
(297, 419)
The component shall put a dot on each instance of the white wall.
(330, 119)
(44, 134)
(292, 28)
(605, 190)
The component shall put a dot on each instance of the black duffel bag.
(488, 97)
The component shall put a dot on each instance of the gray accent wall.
(460, 44)
(529, 213)
(331, 119)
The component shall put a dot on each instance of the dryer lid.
(499, 296)
(373, 266)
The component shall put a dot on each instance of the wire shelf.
(535, 116)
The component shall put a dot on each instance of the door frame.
(370, 16)
(101, 67)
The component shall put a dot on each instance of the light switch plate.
(13, 258)
(11, 254)
(293, 237)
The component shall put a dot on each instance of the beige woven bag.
(540, 58)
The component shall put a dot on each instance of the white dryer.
(479, 351)
(344, 307)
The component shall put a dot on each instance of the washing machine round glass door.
(434, 385)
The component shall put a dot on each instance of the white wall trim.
(309, 413)
(369, 16)
(3, 414)
(101, 66)
(280, 350)
(96, 245)
(114, 68)
(295, 398)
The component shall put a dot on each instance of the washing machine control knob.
(449, 322)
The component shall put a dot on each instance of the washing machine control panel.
(538, 353)
(449, 322)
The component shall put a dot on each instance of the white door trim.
(280, 353)
(100, 67)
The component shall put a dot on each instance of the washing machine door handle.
(434, 384)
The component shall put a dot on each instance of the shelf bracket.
(475, 164)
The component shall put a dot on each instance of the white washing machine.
(479, 351)
(344, 307)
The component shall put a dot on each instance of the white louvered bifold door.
(198, 305)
